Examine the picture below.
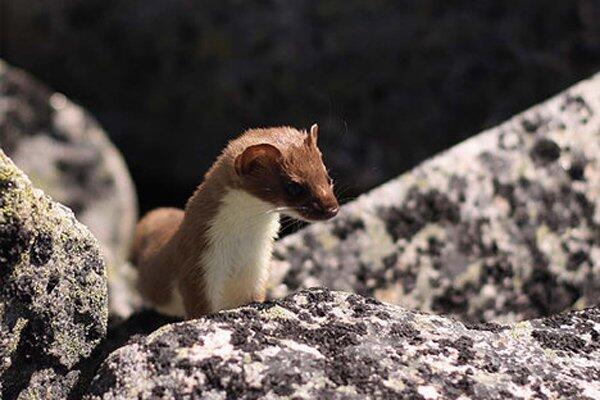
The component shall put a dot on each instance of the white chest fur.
(240, 242)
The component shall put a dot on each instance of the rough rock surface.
(335, 345)
(53, 296)
(65, 153)
(503, 226)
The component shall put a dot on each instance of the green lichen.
(69, 346)
(520, 330)
(6, 174)
(549, 353)
(58, 310)
(280, 312)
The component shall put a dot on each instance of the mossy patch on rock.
(53, 300)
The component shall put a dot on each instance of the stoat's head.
(284, 167)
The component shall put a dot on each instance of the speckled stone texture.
(319, 344)
(504, 226)
(67, 154)
(53, 296)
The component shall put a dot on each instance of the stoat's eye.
(294, 189)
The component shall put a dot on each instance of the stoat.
(215, 254)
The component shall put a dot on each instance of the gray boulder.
(504, 226)
(67, 154)
(53, 296)
(319, 344)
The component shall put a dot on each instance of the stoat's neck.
(238, 241)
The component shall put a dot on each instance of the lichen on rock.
(53, 295)
(323, 344)
(503, 226)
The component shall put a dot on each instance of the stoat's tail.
(152, 232)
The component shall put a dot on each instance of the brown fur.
(168, 242)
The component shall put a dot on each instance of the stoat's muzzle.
(320, 209)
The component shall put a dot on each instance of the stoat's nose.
(325, 210)
(332, 211)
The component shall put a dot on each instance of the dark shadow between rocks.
(120, 332)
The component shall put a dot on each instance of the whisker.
(280, 209)
(255, 219)
(291, 224)
(286, 208)
(287, 224)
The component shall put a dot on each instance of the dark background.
(390, 82)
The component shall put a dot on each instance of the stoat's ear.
(311, 139)
(255, 157)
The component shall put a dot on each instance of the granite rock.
(66, 153)
(323, 344)
(53, 296)
(504, 226)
